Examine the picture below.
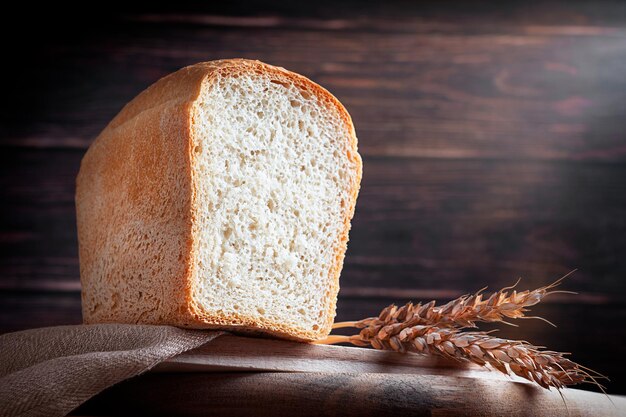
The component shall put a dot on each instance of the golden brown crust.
(133, 181)
(164, 113)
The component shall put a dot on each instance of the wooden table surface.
(242, 376)
(493, 136)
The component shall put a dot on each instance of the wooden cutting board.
(234, 376)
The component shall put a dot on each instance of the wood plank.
(515, 88)
(390, 16)
(26, 310)
(421, 222)
(321, 394)
(246, 354)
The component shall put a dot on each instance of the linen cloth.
(51, 371)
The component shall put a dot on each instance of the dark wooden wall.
(493, 136)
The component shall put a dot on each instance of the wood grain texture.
(319, 378)
(230, 353)
(319, 394)
(492, 134)
(418, 82)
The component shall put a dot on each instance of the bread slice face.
(228, 191)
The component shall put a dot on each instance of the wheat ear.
(546, 368)
(464, 311)
(431, 329)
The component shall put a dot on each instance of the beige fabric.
(51, 371)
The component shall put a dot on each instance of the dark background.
(493, 136)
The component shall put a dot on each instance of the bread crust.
(165, 112)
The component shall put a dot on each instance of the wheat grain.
(546, 368)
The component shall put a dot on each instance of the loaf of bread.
(220, 197)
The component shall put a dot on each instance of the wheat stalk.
(431, 329)
(464, 311)
(546, 368)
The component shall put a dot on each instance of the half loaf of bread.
(220, 197)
